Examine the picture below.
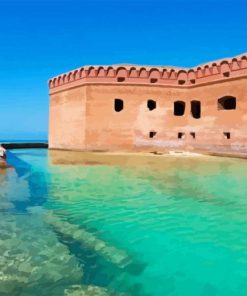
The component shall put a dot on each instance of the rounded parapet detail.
(133, 74)
(243, 62)
(235, 64)
(143, 73)
(82, 73)
(182, 77)
(121, 74)
(207, 70)
(225, 68)
(191, 76)
(101, 72)
(110, 72)
(215, 69)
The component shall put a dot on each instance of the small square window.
(181, 135)
(152, 134)
(193, 135)
(226, 74)
(227, 135)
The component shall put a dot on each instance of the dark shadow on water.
(21, 167)
(100, 272)
(135, 268)
(33, 183)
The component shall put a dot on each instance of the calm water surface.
(122, 225)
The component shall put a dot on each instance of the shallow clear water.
(131, 225)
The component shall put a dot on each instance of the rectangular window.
(179, 108)
(118, 105)
(227, 103)
(151, 104)
(196, 109)
(193, 135)
(120, 79)
(153, 80)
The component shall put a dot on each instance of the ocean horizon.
(24, 141)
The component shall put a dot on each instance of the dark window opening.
(193, 135)
(181, 135)
(151, 104)
(181, 82)
(153, 80)
(226, 74)
(193, 81)
(152, 134)
(227, 103)
(227, 135)
(196, 109)
(120, 79)
(118, 105)
(179, 108)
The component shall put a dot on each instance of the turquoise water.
(127, 225)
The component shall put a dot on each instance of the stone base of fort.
(77, 156)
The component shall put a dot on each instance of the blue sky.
(40, 39)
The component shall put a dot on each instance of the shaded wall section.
(67, 119)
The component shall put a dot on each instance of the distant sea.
(24, 141)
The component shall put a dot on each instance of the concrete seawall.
(5, 146)
(24, 145)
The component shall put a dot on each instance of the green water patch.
(80, 290)
(99, 272)
(110, 253)
(33, 261)
(32, 257)
(101, 262)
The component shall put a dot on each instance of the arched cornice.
(212, 71)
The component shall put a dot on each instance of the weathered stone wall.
(129, 129)
(67, 123)
(82, 114)
(213, 123)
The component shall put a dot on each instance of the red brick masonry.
(151, 108)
